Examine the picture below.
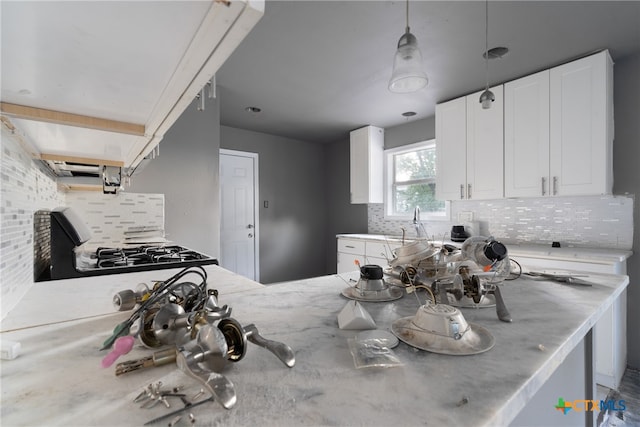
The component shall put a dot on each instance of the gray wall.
(410, 132)
(626, 158)
(292, 228)
(342, 216)
(187, 173)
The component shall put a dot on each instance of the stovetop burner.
(106, 260)
(141, 255)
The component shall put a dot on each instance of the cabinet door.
(346, 262)
(380, 253)
(526, 136)
(367, 165)
(349, 250)
(581, 140)
(485, 152)
(451, 147)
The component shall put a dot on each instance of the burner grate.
(143, 255)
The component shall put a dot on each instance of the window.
(411, 182)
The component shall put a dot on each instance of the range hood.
(89, 85)
(78, 176)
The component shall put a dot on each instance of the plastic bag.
(372, 353)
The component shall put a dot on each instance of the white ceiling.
(319, 69)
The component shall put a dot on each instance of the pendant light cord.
(486, 42)
(407, 27)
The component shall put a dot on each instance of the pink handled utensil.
(122, 345)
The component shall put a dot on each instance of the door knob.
(250, 226)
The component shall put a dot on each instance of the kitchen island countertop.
(58, 380)
(72, 299)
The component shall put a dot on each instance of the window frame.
(389, 171)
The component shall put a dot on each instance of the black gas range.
(61, 256)
(129, 259)
(140, 255)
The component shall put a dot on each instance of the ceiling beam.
(69, 119)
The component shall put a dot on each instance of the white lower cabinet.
(379, 253)
(365, 252)
(348, 252)
(347, 262)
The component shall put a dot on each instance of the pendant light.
(407, 73)
(487, 97)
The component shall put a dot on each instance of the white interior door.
(239, 216)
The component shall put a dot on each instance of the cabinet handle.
(543, 182)
(349, 246)
(461, 191)
(468, 191)
(555, 185)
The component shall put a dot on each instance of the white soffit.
(96, 58)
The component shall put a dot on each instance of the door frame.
(256, 204)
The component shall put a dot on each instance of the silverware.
(187, 406)
(570, 279)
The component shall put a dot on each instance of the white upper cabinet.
(485, 152)
(526, 136)
(581, 126)
(367, 165)
(559, 130)
(451, 149)
(555, 131)
(469, 148)
(104, 81)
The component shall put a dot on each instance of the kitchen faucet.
(416, 221)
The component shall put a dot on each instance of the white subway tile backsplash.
(108, 216)
(24, 188)
(585, 221)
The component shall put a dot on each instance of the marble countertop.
(597, 255)
(71, 299)
(57, 380)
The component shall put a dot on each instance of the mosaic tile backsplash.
(25, 187)
(585, 221)
(108, 216)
